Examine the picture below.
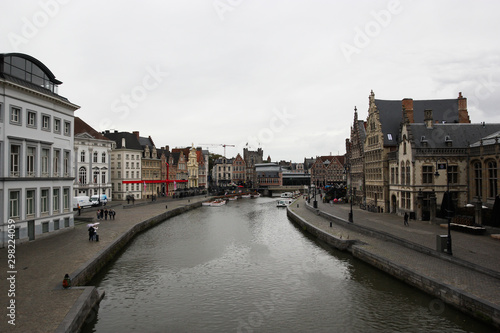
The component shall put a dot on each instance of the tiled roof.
(81, 127)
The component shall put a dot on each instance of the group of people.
(102, 214)
(93, 233)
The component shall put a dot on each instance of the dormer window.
(448, 141)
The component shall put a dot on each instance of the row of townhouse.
(409, 153)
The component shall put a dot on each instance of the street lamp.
(448, 208)
(315, 203)
(348, 168)
(153, 187)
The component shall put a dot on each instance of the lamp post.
(448, 208)
(348, 168)
(153, 187)
(315, 203)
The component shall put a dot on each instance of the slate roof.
(81, 127)
(131, 141)
(391, 115)
(461, 135)
(488, 140)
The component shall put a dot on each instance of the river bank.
(470, 287)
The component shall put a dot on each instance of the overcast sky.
(281, 75)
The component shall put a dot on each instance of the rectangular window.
(14, 204)
(82, 156)
(45, 162)
(30, 202)
(67, 128)
(453, 174)
(56, 225)
(57, 157)
(66, 163)
(103, 177)
(15, 151)
(15, 115)
(44, 201)
(95, 156)
(66, 199)
(31, 119)
(55, 200)
(30, 162)
(126, 175)
(45, 122)
(57, 125)
(119, 187)
(45, 227)
(427, 174)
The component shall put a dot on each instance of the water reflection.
(245, 267)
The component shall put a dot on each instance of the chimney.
(463, 114)
(407, 105)
(123, 142)
(136, 134)
(428, 118)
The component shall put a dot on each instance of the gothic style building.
(355, 159)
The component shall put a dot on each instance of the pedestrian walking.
(406, 219)
(79, 209)
(102, 214)
(106, 214)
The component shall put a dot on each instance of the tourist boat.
(287, 195)
(246, 196)
(233, 198)
(284, 202)
(255, 195)
(217, 203)
(214, 203)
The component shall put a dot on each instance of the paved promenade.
(41, 304)
(482, 252)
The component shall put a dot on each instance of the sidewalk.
(41, 303)
(479, 250)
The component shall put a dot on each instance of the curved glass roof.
(27, 68)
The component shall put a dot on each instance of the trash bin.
(441, 243)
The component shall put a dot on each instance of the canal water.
(244, 267)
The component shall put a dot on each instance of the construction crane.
(218, 145)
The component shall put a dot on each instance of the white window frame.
(45, 122)
(15, 115)
(31, 119)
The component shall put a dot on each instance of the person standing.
(106, 214)
(406, 219)
(91, 233)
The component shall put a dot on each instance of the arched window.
(82, 175)
(492, 179)
(402, 173)
(404, 144)
(408, 173)
(478, 178)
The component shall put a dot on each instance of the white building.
(36, 150)
(92, 161)
(126, 165)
